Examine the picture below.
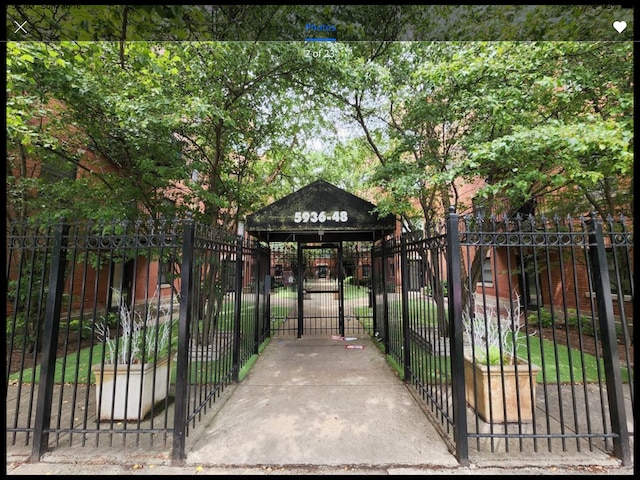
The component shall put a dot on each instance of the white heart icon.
(620, 26)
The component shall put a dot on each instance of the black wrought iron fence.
(87, 302)
(125, 330)
(545, 304)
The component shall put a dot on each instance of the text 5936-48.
(320, 217)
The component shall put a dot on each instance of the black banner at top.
(342, 23)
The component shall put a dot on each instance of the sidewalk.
(310, 406)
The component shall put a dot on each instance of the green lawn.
(284, 292)
(566, 366)
(351, 292)
(557, 369)
(87, 357)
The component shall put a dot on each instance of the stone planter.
(495, 400)
(129, 393)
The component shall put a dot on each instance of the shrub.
(494, 341)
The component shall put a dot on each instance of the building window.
(165, 272)
(366, 271)
(619, 272)
(487, 271)
(277, 273)
(53, 172)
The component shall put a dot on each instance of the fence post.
(300, 275)
(372, 293)
(456, 347)
(257, 324)
(182, 358)
(385, 298)
(50, 342)
(617, 415)
(406, 344)
(266, 310)
(237, 317)
(340, 292)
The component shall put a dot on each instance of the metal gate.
(320, 289)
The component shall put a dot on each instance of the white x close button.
(20, 27)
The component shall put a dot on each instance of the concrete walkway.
(315, 401)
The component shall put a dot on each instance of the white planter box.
(495, 404)
(117, 399)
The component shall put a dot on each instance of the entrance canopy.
(319, 212)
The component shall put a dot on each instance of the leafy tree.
(74, 116)
(527, 120)
(575, 150)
